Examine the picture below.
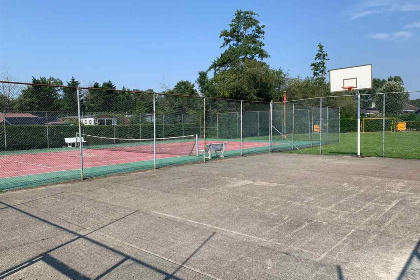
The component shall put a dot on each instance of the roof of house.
(16, 115)
(409, 107)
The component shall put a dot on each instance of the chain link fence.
(53, 133)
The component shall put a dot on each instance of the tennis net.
(177, 146)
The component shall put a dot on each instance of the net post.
(358, 123)
(383, 125)
(204, 128)
(270, 131)
(197, 150)
(242, 144)
(293, 126)
(154, 130)
(320, 126)
(309, 125)
(79, 116)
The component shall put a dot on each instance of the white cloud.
(402, 35)
(364, 13)
(367, 7)
(380, 36)
(410, 8)
(413, 25)
(395, 36)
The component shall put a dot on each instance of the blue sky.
(153, 44)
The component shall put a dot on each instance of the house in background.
(408, 108)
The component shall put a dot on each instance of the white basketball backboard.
(358, 77)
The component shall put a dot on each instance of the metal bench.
(73, 140)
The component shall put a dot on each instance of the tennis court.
(44, 166)
(266, 216)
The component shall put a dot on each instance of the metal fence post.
(328, 124)
(293, 126)
(339, 123)
(163, 125)
(358, 123)
(217, 125)
(182, 123)
(4, 130)
(383, 126)
(309, 124)
(237, 125)
(320, 125)
(204, 129)
(46, 123)
(154, 131)
(79, 116)
(140, 126)
(270, 136)
(258, 123)
(114, 132)
(312, 126)
(241, 128)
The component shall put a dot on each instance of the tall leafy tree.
(319, 67)
(42, 96)
(242, 41)
(240, 71)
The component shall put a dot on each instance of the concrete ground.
(271, 216)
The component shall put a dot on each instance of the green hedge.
(348, 125)
(413, 125)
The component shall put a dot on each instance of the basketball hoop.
(350, 88)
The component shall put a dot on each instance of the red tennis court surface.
(39, 163)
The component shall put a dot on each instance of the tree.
(101, 98)
(243, 41)
(240, 72)
(185, 88)
(319, 67)
(42, 97)
(69, 99)
(8, 92)
(396, 98)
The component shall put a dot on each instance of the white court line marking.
(234, 232)
(158, 256)
(353, 230)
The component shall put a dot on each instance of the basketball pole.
(358, 123)
(270, 131)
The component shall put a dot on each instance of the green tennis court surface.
(267, 216)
